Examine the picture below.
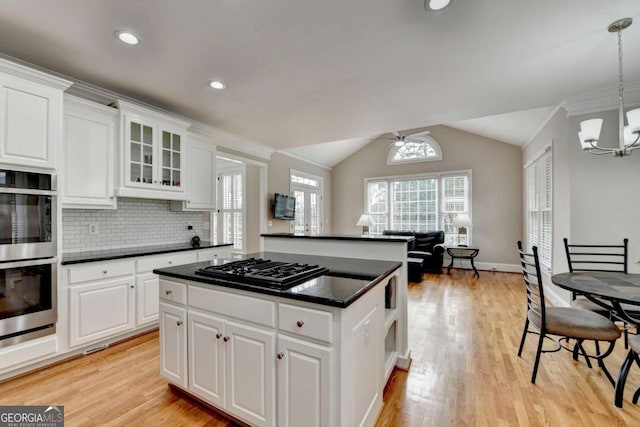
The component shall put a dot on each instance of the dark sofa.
(428, 246)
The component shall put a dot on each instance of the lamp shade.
(633, 118)
(591, 129)
(462, 220)
(365, 220)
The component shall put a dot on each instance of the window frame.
(439, 176)
(428, 140)
(541, 162)
(217, 220)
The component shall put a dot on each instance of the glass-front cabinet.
(154, 155)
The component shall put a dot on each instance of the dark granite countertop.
(365, 237)
(347, 280)
(109, 254)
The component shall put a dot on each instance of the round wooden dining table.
(616, 291)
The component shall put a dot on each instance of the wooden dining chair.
(632, 356)
(563, 322)
(605, 258)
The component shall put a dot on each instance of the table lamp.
(365, 222)
(463, 222)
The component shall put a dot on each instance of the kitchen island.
(310, 354)
(366, 246)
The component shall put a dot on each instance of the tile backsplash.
(136, 222)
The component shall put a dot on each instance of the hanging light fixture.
(628, 136)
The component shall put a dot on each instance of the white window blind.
(419, 203)
(539, 196)
(229, 220)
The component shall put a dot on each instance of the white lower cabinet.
(270, 361)
(207, 358)
(173, 344)
(99, 310)
(304, 383)
(231, 366)
(146, 298)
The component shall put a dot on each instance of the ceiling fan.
(399, 140)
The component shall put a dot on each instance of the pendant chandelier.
(628, 136)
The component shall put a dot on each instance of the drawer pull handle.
(104, 271)
(280, 356)
(300, 323)
(226, 339)
(168, 292)
(170, 262)
(131, 286)
(218, 335)
(179, 323)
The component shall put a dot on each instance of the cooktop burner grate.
(257, 271)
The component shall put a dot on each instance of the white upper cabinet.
(30, 116)
(87, 167)
(152, 154)
(200, 174)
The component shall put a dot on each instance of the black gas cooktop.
(264, 272)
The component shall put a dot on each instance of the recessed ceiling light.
(127, 37)
(217, 84)
(436, 4)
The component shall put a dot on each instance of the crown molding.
(304, 159)
(601, 100)
(27, 72)
(231, 141)
(544, 123)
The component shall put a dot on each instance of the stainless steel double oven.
(28, 248)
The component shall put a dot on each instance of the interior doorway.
(308, 190)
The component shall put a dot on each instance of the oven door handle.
(28, 263)
(27, 191)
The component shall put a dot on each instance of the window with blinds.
(539, 197)
(229, 220)
(419, 203)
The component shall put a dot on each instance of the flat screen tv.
(284, 207)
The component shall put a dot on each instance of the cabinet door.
(100, 310)
(304, 383)
(88, 156)
(201, 173)
(250, 356)
(139, 153)
(206, 357)
(173, 344)
(147, 298)
(171, 165)
(30, 123)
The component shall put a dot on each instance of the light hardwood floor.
(463, 334)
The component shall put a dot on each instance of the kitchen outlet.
(270, 224)
(93, 228)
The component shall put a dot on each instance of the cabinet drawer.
(306, 322)
(208, 255)
(100, 270)
(147, 264)
(173, 291)
(239, 306)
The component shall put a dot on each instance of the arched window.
(413, 152)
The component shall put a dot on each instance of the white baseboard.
(485, 266)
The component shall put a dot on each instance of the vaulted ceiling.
(307, 72)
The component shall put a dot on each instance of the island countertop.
(362, 237)
(347, 279)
